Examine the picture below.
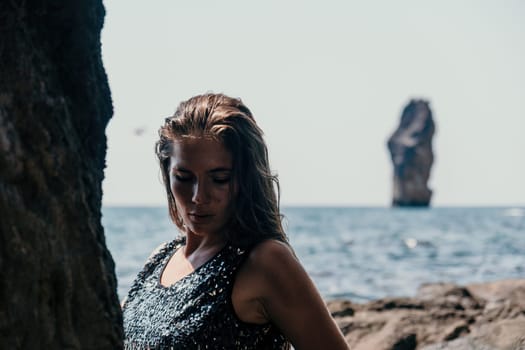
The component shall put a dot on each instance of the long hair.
(256, 215)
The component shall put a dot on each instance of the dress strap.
(153, 262)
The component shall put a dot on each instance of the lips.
(199, 214)
(200, 217)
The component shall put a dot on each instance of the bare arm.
(289, 299)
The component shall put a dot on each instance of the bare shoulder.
(285, 295)
(273, 267)
(272, 258)
(265, 262)
(274, 287)
(271, 252)
(270, 265)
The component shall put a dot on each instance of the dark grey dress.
(194, 313)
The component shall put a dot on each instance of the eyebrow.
(214, 170)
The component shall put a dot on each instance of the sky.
(326, 81)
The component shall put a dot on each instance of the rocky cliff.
(58, 287)
(410, 148)
(489, 316)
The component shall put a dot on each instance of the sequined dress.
(195, 312)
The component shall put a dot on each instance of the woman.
(232, 281)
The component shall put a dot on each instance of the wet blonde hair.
(256, 215)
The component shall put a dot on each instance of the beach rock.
(441, 316)
(410, 148)
(504, 335)
(58, 286)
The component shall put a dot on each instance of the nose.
(200, 193)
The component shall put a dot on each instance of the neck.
(200, 243)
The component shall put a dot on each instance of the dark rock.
(58, 287)
(407, 342)
(450, 294)
(395, 303)
(341, 308)
(410, 148)
(441, 316)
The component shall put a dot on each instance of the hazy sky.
(327, 81)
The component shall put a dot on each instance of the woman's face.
(201, 183)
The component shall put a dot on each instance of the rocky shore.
(442, 316)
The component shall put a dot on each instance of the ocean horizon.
(359, 253)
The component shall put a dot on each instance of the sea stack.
(410, 148)
(58, 283)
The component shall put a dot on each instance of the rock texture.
(57, 281)
(410, 148)
(441, 317)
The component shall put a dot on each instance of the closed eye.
(182, 178)
(221, 180)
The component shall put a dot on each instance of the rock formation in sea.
(410, 148)
(58, 286)
(441, 316)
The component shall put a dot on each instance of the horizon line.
(339, 205)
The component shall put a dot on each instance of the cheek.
(179, 191)
(229, 192)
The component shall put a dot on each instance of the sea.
(359, 254)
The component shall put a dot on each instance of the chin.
(200, 230)
(204, 230)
